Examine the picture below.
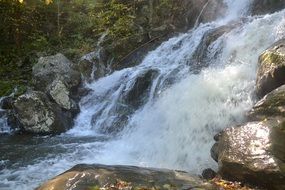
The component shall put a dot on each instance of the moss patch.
(273, 58)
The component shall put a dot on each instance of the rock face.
(271, 70)
(272, 105)
(49, 109)
(83, 177)
(54, 67)
(202, 57)
(34, 113)
(91, 66)
(260, 7)
(255, 153)
(135, 96)
(61, 95)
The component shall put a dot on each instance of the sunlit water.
(187, 103)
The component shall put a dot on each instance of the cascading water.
(4, 128)
(191, 97)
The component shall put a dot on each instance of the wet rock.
(272, 105)
(91, 66)
(260, 7)
(135, 96)
(215, 152)
(217, 136)
(254, 153)
(6, 103)
(34, 113)
(271, 69)
(209, 174)
(54, 67)
(202, 55)
(83, 177)
(61, 95)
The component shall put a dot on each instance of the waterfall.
(192, 86)
(4, 128)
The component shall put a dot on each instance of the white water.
(174, 129)
(4, 128)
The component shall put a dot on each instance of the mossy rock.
(271, 69)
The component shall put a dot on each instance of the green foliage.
(36, 28)
(8, 87)
(116, 17)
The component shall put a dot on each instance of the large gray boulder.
(271, 69)
(34, 113)
(260, 7)
(55, 67)
(58, 80)
(83, 177)
(254, 153)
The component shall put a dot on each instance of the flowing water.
(193, 95)
(4, 128)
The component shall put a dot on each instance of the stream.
(199, 85)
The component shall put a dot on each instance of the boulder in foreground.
(254, 153)
(89, 177)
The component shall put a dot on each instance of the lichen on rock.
(34, 113)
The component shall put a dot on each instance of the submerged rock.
(138, 91)
(254, 153)
(54, 67)
(34, 113)
(271, 70)
(83, 177)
